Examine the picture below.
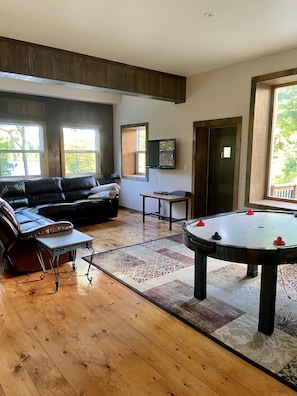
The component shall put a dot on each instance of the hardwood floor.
(103, 339)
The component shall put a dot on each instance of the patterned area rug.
(163, 272)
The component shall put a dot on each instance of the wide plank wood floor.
(103, 339)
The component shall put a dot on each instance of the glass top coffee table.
(60, 243)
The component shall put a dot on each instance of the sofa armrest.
(35, 232)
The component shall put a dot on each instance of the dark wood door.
(215, 176)
(221, 165)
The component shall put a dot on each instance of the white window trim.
(97, 173)
(42, 152)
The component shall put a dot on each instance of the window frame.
(97, 173)
(268, 195)
(131, 163)
(42, 152)
(259, 136)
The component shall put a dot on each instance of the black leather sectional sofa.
(60, 198)
(35, 207)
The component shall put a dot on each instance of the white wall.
(164, 122)
(221, 93)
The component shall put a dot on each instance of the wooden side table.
(171, 199)
(59, 243)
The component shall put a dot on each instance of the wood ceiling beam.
(32, 62)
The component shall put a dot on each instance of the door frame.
(201, 142)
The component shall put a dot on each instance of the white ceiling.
(171, 36)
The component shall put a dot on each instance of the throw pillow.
(106, 187)
(104, 195)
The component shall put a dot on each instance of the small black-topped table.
(171, 199)
(266, 238)
(59, 243)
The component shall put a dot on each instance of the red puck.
(279, 241)
(200, 223)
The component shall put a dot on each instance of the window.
(134, 138)
(81, 151)
(283, 153)
(272, 145)
(21, 150)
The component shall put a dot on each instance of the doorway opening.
(216, 148)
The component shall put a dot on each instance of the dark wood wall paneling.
(55, 113)
(35, 62)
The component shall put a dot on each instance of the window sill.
(270, 204)
(135, 177)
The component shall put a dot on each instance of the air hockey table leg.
(200, 276)
(252, 270)
(267, 298)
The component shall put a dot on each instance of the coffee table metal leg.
(55, 271)
(73, 258)
(41, 262)
(90, 263)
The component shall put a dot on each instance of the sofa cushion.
(94, 210)
(29, 218)
(7, 210)
(44, 191)
(60, 211)
(14, 192)
(9, 225)
(76, 188)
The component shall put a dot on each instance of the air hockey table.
(261, 237)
